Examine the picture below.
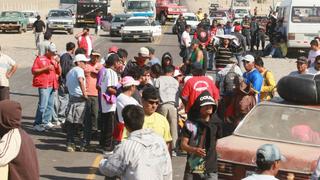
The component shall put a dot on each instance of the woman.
(16, 146)
(196, 54)
(314, 52)
(166, 60)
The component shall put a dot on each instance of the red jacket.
(45, 79)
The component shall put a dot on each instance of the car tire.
(70, 31)
(163, 19)
(111, 34)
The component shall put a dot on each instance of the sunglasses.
(153, 102)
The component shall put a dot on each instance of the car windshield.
(241, 3)
(243, 11)
(305, 14)
(282, 123)
(137, 22)
(59, 13)
(29, 14)
(120, 18)
(217, 14)
(191, 18)
(139, 5)
(10, 14)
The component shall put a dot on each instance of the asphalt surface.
(54, 161)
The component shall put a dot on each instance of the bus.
(87, 11)
(69, 4)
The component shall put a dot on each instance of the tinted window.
(305, 14)
(10, 14)
(217, 14)
(59, 13)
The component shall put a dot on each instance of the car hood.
(60, 19)
(136, 28)
(6, 19)
(242, 149)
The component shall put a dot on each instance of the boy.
(199, 137)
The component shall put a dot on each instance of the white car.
(140, 28)
(241, 13)
(191, 20)
(32, 17)
(220, 15)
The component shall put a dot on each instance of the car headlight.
(146, 31)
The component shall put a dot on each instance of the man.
(45, 70)
(228, 28)
(180, 26)
(205, 22)
(91, 117)
(85, 40)
(38, 28)
(43, 45)
(153, 58)
(168, 88)
(140, 60)
(185, 43)
(268, 158)
(246, 30)
(269, 84)
(254, 28)
(143, 155)
(302, 66)
(108, 89)
(16, 146)
(196, 85)
(252, 77)
(75, 112)
(7, 68)
(315, 70)
(66, 63)
(197, 132)
(241, 47)
(224, 53)
(153, 120)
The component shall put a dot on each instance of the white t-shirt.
(109, 79)
(123, 101)
(312, 56)
(186, 38)
(260, 177)
(73, 83)
(6, 64)
(313, 71)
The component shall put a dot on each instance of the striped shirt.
(223, 57)
(109, 78)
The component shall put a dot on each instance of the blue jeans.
(45, 106)
(212, 62)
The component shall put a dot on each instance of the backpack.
(231, 81)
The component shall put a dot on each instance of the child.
(199, 137)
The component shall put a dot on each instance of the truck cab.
(168, 10)
(142, 8)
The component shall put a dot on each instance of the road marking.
(164, 29)
(94, 168)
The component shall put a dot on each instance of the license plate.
(249, 173)
(60, 26)
(136, 36)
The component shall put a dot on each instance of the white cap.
(144, 52)
(249, 58)
(52, 48)
(80, 57)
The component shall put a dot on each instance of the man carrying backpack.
(228, 81)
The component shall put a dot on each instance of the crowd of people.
(133, 107)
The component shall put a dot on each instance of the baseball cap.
(113, 49)
(237, 28)
(270, 152)
(52, 48)
(302, 59)
(206, 99)
(128, 81)
(144, 52)
(176, 73)
(249, 58)
(81, 57)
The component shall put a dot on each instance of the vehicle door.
(156, 28)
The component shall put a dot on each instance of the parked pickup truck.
(13, 20)
(60, 19)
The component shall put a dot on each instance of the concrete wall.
(42, 6)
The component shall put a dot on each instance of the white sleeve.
(10, 145)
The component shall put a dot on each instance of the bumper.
(136, 36)
(9, 26)
(172, 16)
(60, 27)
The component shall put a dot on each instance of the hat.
(113, 49)
(249, 58)
(270, 153)
(52, 48)
(80, 57)
(95, 53)
(195, 41)
(176, 73)
(206, 99)
(237, 28)
(128, 81)
(302, 59)
(144, 52)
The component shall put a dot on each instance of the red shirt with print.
(195, 86)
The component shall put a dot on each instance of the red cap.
(237, 28)
(113, 49)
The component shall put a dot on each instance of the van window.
(305, 14)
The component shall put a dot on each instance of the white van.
(301, 18)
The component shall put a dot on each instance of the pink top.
(98, 20)
(91, 72)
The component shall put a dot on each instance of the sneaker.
(71, 148)
(174, 154)
(269, 56)
(57, 123)
(39, 128)
(49, 125)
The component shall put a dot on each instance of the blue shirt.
(255, 79)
